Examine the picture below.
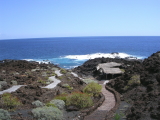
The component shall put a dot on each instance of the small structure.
(111, 68)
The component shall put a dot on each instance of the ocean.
(69, 52)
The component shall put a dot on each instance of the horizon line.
(81, 36)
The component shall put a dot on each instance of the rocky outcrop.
(139, 85)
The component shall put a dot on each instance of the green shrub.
(118, 116)
(37, 103)
(9, 101)
(67, 86)
(63, 71)
(47, 113)
(42, 81)
(58, 103)
(87, 81)
(92, 89)
(62, 97)
(135, 80)
(4, 115)
(51, 105)
(80, 100)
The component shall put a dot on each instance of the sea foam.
(98, 55)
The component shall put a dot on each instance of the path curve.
(54, 84)
(11, 89)
(58, 73)
(107, 105)
(50, 86)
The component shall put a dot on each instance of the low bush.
(51, 105)
(47, 113)
(4, 115)
(63, 71)
(9, 101)
(87, 81)
(67, 86)
(38, 103)
(93, 89)
(135, 80)
(58, 103)
(80, 100)
(118, 116)
(62, 97)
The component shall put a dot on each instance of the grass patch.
(79, 99)
(93, 89)
(63, 71)
(9, 101)
(62, 97)
(135, 80)
(42, 81)
(67, 86)
(118, 116)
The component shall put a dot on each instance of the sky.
(71, 18)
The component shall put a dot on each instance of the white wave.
(38, 60)
(98, 55)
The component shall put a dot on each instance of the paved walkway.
(11, 89)
(54, 84)
(108, 104)
(50, 86)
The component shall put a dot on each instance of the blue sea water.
(69, 52)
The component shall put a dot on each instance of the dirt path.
(108, 104)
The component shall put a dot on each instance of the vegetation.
(118, 116)
(62, 97)
(63, 71)
(42, 81)
(9, 101)
(93, 89)
(79, 99)
(67, 86)
(37, 103)
(135, 80)
(47, 113)
(4, 115)
(122, 70)
(87, 81)
(58, 103)
(51, 105)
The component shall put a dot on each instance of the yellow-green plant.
(42, 81)
(79, 99)
(10, 101)
(63, 71)
(62, 97)
(135, 80)
(93, 89)
(50, 105)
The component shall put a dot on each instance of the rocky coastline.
(138, 86)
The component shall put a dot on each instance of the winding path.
(50, 86)
(107, 105)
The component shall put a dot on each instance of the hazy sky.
(67, 18)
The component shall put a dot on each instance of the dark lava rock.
(142, 92)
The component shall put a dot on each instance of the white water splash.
(98, 55)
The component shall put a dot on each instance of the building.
(109, 70)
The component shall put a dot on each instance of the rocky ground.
(33, 76)
(139, 85)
